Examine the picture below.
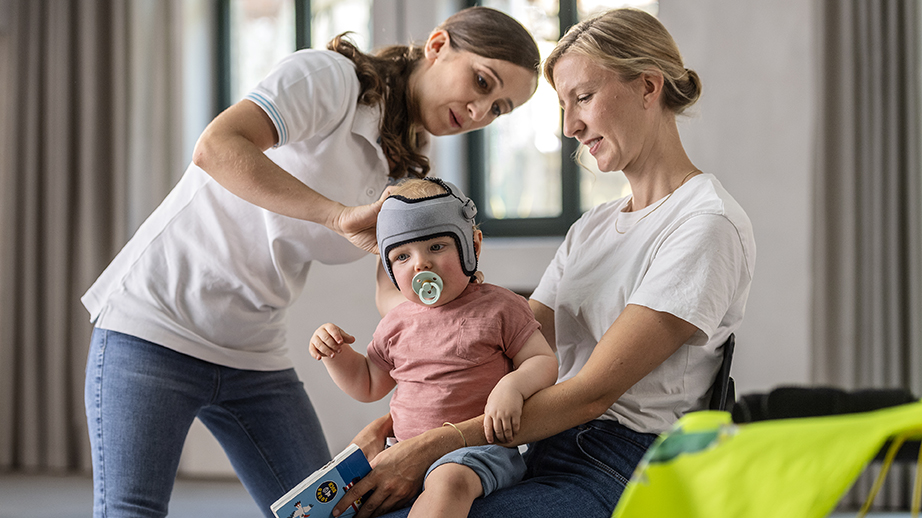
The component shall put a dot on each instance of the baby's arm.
(352, 372)
(535, 369)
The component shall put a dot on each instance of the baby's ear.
(478, 241)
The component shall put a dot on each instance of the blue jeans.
(141, 399)
(578, 472)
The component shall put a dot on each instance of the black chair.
(789, 402)
(723, 391)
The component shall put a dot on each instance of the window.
(255, 34)
(522, 174)
(332, 17)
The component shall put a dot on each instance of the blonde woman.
(637, 300)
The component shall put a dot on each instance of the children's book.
(316, 495)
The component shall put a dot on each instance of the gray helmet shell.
(404, 220)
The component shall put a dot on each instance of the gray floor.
(27, 496)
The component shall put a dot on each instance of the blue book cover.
(316, 496)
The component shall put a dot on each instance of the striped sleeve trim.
(273, 113)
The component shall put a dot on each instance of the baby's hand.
(503, 413)
(328, 340)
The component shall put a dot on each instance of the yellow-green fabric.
(708, 467)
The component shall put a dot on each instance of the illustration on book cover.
(317, 495)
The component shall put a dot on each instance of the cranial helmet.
(404, 220)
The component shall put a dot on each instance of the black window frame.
(476, 140)
(570, 170)
(222, 72)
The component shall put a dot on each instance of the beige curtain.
(868, 256)
(89, 143)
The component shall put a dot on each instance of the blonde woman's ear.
(653, 86)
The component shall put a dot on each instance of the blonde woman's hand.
(373, 438)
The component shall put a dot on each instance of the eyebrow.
(498, 78)
(591, 84)
(509, 104)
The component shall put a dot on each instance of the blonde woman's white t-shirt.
(692, 257)
(211, 275)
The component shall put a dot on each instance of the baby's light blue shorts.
(497, 466)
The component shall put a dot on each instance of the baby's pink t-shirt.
(446, 360)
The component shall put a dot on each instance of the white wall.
(753, 128)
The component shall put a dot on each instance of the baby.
(455, 349)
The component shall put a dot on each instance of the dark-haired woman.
(637, 301)
(190, 315)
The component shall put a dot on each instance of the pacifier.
(428, 286)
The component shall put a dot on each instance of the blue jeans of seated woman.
(578, 472)
(141, 399)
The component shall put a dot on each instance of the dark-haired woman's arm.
(231, 151)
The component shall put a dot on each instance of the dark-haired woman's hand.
(357, 224)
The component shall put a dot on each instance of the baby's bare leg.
(450, 491)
